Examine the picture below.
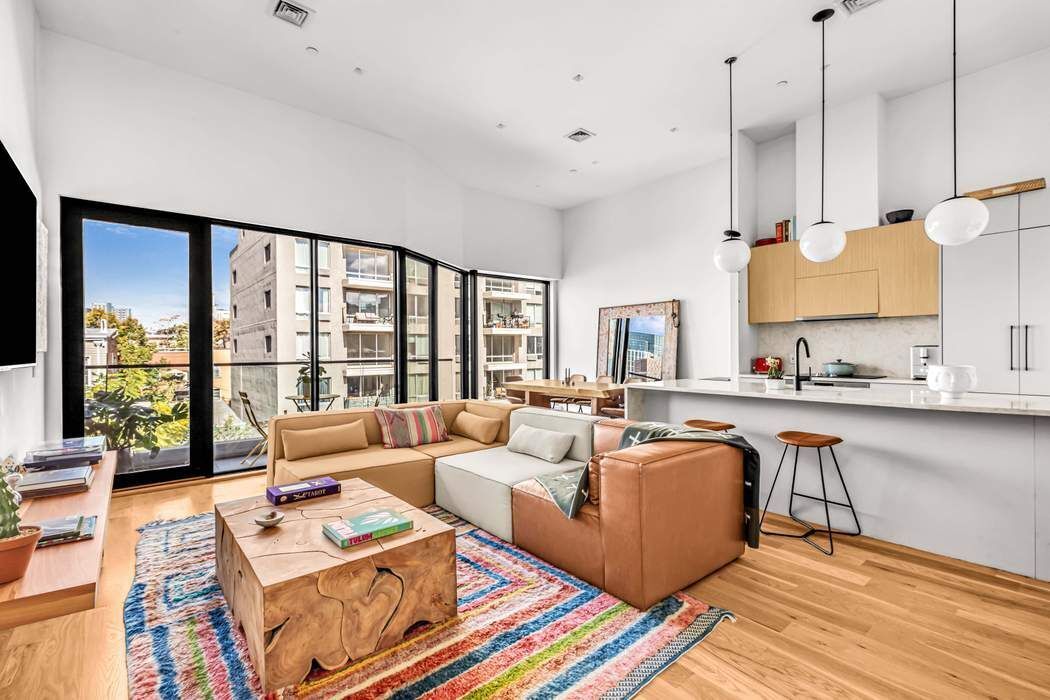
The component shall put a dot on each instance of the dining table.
(539, 392)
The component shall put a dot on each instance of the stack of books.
(65, 454)
(55, 482)
(366, 527)
(72, 528)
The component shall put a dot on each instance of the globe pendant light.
(732, 254)
(956, 220)
(824, 240)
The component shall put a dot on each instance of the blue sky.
(648, 324)
(147, 269)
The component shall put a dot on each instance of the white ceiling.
(440, 74)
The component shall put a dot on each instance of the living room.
(687, 349)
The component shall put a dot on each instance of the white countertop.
(887, 395)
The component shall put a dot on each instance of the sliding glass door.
(135, 323)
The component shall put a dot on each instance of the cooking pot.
(838, 368)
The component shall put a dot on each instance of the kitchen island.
(968, 478)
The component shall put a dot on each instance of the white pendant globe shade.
(732, 255)
(956, 221)
(823, 241)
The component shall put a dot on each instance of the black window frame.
(73, 211)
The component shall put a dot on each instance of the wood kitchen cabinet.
(884, 271)
(771, 283)
(908, 263)
(848, 294)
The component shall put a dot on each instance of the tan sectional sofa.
(407, 473)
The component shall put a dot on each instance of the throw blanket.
(569, 489)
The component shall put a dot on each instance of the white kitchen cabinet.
(1035, 310)
(1003, 214)
(1035, 208)
(980, 313)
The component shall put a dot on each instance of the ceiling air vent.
(852, 7)
(579, 135)
(292, 14)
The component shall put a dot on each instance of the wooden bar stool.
(715, 425)
(818, 441)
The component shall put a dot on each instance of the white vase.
(953, 381)
(775, 384)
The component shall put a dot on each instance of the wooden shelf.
(62, 578)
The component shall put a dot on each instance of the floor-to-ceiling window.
(512, 338)
(184, 335)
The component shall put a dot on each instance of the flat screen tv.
(18, 232)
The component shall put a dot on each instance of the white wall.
(21, 390)
(775, 183)
(1004, 134)
(117, 129)
(652, 243)
(851, 188)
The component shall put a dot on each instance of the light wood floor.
(876, 620)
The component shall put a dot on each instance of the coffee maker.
(922, 356)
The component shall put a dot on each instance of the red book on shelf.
(780, 232)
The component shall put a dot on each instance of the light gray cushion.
(578, 424)
(477, 485)
(549, 445)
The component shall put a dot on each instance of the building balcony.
(356, 282)
(376, 370)
(498, 362)
(505, 294)
(504, 330)
(367, 323)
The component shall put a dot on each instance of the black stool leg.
(770, 495)
(845, 490)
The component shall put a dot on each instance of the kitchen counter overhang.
(967, 478)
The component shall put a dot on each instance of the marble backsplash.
(875, 345)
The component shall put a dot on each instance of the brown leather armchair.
(659, 517)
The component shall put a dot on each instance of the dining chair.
(567, 401)
(260, 447)
(513, 378)
(619, 411)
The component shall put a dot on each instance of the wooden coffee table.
(301, 598)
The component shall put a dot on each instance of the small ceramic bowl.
(269, 519)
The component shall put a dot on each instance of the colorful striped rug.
(524, 629)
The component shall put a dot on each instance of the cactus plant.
(9, 520)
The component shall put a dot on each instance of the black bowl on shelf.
(899, 216)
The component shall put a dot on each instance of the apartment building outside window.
(302, 255)
(512, 337)
(302, 302)
(366, 264)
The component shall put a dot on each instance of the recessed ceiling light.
(500, 125)
(359, 71)
(674, 129)
(578, 77)
(594, 162)
(580, 135)
(312, 50)
(573, 170)
(782, 83)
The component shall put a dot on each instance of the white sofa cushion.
(579, 425)
(477, 485)
(549, 445)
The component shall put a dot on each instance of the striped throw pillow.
(408, 427)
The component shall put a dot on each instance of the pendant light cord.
(823, 68)
(731, 144)
(955, 112)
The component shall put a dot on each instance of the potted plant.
(774, 375)
(128, 422)
(17, 541)
(304, 377)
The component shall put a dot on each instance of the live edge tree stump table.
(300, 598)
